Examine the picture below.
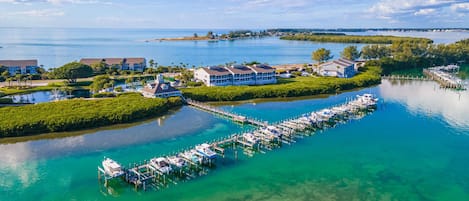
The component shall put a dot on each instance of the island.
(211, 36)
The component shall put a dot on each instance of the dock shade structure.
(20, 66)
(132, 64)
(236, 75)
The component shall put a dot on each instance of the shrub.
(194, 84)
(104, 95)
(118, 89)
(6, 100)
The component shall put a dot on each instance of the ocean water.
(414, 147)
(54, 47)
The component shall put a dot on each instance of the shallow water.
(414, 147)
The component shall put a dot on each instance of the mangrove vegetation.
(79, 114)
(334, 38)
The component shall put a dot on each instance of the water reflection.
(428, 98)
(12, 163)
(183, 122)
(48, 96)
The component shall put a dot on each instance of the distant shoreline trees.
(354, 38)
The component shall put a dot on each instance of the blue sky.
(234, 13)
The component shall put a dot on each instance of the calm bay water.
(414, 147)
(54, 47)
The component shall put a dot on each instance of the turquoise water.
(54, 47)
(414, 147)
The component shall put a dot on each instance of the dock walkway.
(199, 160)
(441, 74)
(234, 117)
(406, 77)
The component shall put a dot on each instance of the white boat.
(306, 121)
(367, 99)
(250, 138)
(161, 164)
(205, 150)
(326, 114)
(178, 162)
(112, 168)
(293, 125)
(192, 156)
(271, 130)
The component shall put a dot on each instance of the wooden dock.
(199, 160)
(442, 75)
(232, 116)
(405, 77)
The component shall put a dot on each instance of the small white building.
(236, 75)
(342, 68)
(160, 89)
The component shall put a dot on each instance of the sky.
(252, 14)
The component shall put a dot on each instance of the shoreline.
(86, 131)
(47, 119)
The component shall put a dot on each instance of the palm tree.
(152, 63)
(30, 78)
(9, 79)
(5, 74)
(18, 79)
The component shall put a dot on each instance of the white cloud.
(40, 13)
(396, 9)
(426, 11)
(56, 2)
(460, 7)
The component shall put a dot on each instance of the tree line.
(354, 38)
(403, 55)
(79, 114)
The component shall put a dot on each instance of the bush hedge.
(6, 100)
(78, 114)
(104, 95)
(300, 86)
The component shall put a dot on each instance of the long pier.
(441, 74)
(406, 77)
(198, 160)
(217, 111)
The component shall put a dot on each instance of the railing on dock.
(406, 77)
(445, 79)
(234, 117)
(268, 137)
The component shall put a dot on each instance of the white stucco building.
(236, 75)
